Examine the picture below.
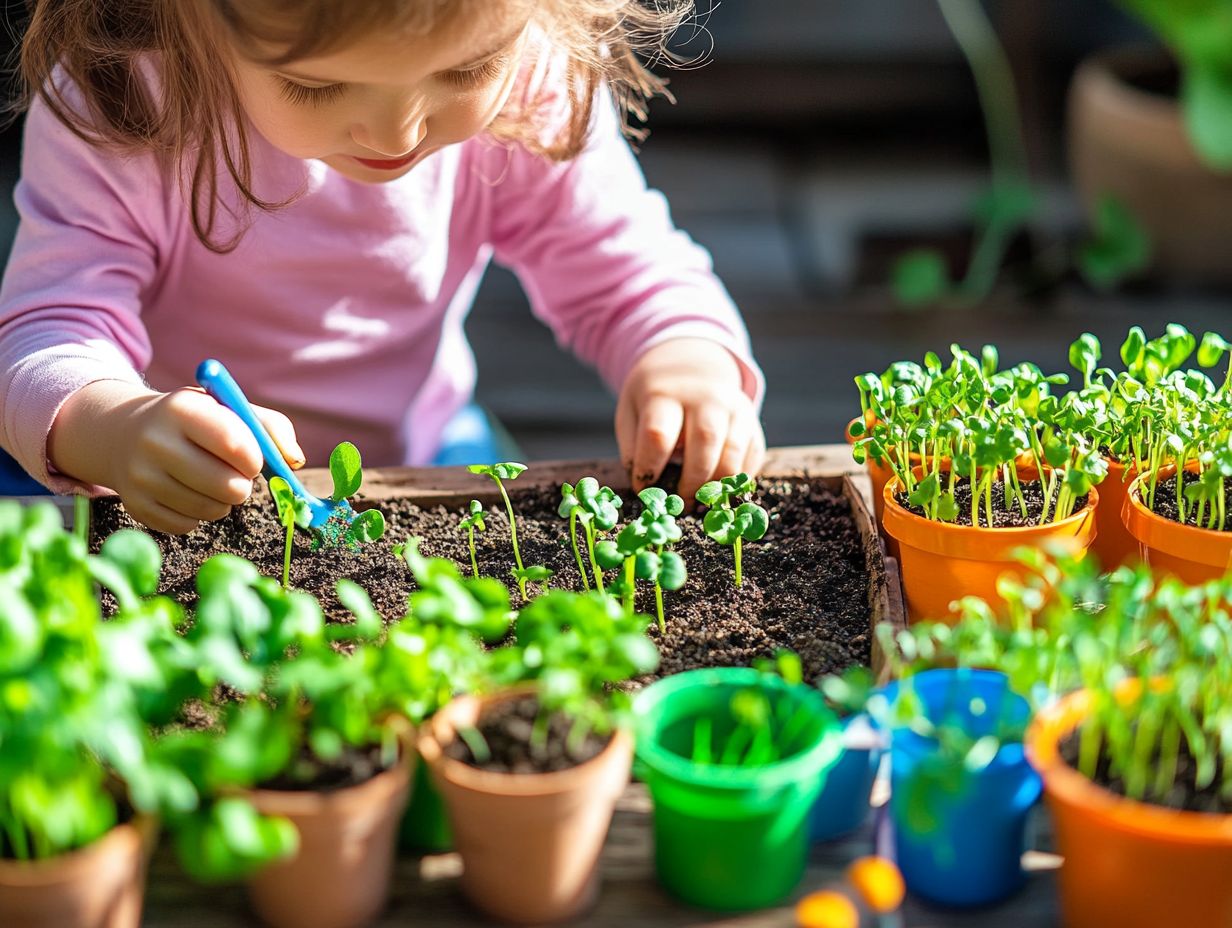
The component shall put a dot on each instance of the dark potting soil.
(309, 773)
(1032, 491)
(507, 730)
(1165, 503)
(806, 584)
(1185, 795)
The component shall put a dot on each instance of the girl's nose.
(392, 136)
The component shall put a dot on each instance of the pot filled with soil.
(734, 760)
(943, 561)
(1128, 139)
(99, 886)
(959, 827)
(347, 820)
(1186, 550)
(529, 823)
(1113, 544)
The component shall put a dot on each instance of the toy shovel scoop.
(219, 384)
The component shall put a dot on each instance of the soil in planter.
(1002, 517)
(309, 773)
(806, 584)
(1185, 795)
(1165, 503)
(507, 730)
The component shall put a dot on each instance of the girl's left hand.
(687, 393)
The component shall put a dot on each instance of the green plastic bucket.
(425, 824)
(729, 838)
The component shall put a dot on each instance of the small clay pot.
(530, 843)
(101, 885)
(942, 562)
(1114, 545)
(340, 876)
(1194, 555)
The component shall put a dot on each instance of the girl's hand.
(176, 459)
(687, 392)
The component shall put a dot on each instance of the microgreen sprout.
(639, 549)
(511, 470)
(730, 521)
(344, 527)
(292, 511)
(598, 510)
(470, 524)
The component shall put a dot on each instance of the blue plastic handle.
(218, 383)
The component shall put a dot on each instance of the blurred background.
(834, 157)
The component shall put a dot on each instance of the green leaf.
(356, 600)
(1132, 347)
(708, 494)
(1212, 349)
(920, 278)
(608, 555)
(345, 468)
(137, 555)
(672, 572)
(1206, 100)
(720, 525)
(1119, 247)
(646, 565)
(758, 521)
(534, 573)
(367, 527)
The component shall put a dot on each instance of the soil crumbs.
(806, 583)
(507, 730)
(1003, 516)
(1166, 506)
(1185, 796)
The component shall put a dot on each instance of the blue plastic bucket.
(972, 857)
(842, 806)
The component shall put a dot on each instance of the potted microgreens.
(639, 550)
(1135, 758)
(542, 760)
(1003, 463)
(598, 510)
(509, 470)
(734, 759)
(733, 520)
(81, 774)
(473, 522)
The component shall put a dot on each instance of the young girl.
(310, 191)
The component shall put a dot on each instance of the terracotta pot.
(340, 876)
(941, 562)
(1114, 545)
(1186, 552)
(530, 843)
(98, 886)
(1128, 864)
(1131, 143)
(879, 473)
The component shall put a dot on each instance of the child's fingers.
(216, 429)
(735, 447)
(184, 500)
(658, 431)
(756, 455)
(209, 476)
(626, 432)
(706, 429)
(283, 433)
(158, 517)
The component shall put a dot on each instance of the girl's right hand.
(175, 459)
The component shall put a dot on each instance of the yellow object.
(827, 909)
(878, 882)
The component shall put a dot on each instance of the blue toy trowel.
(219, 383)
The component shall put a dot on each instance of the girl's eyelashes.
(477, 76)
(312, 96)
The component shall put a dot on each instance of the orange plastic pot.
(101, 885)
(1114, 545)
(340, 876)
(1194, 555)
(941, 562)
(879, 472)
(1128, 864)
(529, 843)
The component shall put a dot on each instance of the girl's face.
(374, 109)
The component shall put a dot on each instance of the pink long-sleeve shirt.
(344, 309)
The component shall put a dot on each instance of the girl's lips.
(385, 165)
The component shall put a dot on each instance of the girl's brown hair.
(195, 125)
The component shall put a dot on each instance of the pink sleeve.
(70, 303)
(602, 262)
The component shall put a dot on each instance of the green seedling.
(470, 524)
(292, 511)
(499, 473)
(639, 549)
(344, 527)
(598, 510)
(732, 522)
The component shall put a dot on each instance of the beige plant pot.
(340, 876)
(1131, 143)
(99, 886)
(530, 843)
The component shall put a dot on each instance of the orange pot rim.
(64, 868)
(439, 731)
(1187, 542)
(1065, 784)
(305, 803)
(943, 537)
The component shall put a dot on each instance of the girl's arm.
(607, 270)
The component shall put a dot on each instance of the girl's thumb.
(283, 433)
